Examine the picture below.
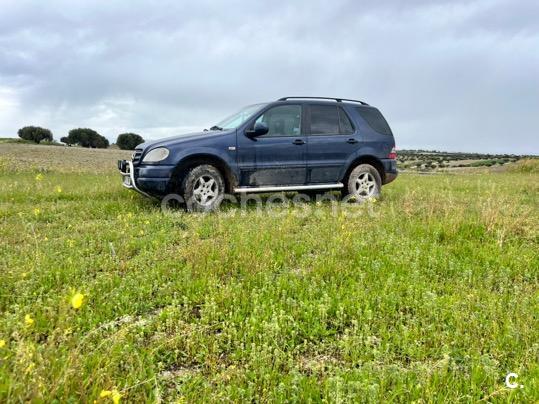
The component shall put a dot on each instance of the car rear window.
(346, 125)
(324, 120)
(375, 119)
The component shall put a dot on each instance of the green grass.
(6, 140)
(430, 294)
(12, 140)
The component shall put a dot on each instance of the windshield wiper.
(214, 127)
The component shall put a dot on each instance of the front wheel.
(364, 182)
(203, 188)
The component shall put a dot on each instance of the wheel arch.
(365, 159)
(197, 159)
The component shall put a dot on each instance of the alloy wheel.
(205, 190)
(365, 185)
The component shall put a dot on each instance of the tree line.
(83, 137)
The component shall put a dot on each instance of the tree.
(35, 134)
(128, 141)
(86, 137)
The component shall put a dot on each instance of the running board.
(288, 188)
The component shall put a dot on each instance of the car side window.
(346, 127)
(283, 120)
(324, 120)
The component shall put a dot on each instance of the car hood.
(186, 137)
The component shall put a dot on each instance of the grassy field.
(429, 294)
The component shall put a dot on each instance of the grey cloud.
(454, 75)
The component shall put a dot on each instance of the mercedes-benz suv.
(305, 144)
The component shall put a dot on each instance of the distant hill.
(425, 160)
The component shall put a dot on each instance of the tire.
(364, 182)
(203, 188)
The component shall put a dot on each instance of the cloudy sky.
(450, 75)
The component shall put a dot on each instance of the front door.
(277, 158)
(332, 140)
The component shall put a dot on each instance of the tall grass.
(526, 166)
(429, 294)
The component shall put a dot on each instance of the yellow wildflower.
(28, 319)
(147, 222)
(116, 396)
(39, 177)
(142, 232)
(58, 189)
(37, 211)
(76, 300)
(2, 343)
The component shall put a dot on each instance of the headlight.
(156, 155)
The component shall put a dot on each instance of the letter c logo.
(512, 384)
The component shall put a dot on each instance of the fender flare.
(222, 160)
(364, 155)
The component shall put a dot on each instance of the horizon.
(399, 149)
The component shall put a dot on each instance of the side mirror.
(260, 129)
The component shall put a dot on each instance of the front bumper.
(149, 180)
(128, 176)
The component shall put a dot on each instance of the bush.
(86, 137)
(65, 140)
(128, 141)
(35, 134)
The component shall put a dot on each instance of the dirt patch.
(23, 157)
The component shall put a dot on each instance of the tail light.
(392, 154)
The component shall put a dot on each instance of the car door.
(277, 158)
(332, 139)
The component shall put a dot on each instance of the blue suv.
(305, 144)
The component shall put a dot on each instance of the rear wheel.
(203, 188)
(364, 182)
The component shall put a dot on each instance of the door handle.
(299, 141)
(351, 140)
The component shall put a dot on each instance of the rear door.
(278, 157)
(332, 139)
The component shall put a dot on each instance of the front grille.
(136, 156)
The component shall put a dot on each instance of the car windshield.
(235, 120)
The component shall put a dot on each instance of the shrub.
(128, 141)
(86, 137)
(35, 134)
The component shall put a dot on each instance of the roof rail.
(322, 98)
